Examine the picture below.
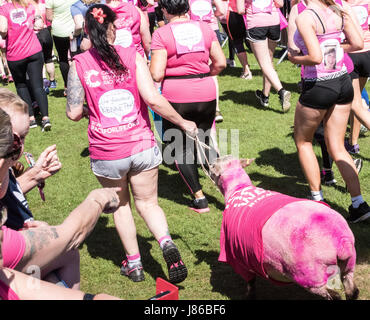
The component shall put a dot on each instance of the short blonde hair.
(9, 101)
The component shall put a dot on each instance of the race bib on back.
(188, 37)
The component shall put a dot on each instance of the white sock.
(356, 201)
(317, 195)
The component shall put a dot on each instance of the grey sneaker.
(177, 270)
(136, 273)
(264, 101)
(284, 97)
(46, 125)
(33, 124)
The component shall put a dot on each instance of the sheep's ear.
(246, 162)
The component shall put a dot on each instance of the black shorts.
(361, 64)
(262, 33)
(327, 93)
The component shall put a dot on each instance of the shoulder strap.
(323, 28)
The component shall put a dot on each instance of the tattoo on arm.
(75, 91)
(38, 239)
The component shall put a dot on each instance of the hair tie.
(98, 14)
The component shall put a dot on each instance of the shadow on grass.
(105, 243)
(57, 93)
(225, 281)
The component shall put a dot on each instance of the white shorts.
(117, 169)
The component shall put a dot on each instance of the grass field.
(264, 134)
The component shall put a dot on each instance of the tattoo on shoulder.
(75, 91)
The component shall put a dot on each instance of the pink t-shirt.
(261, 13)
(187, 55)
(246, 212)
(128, 26)
(119, 124)
(362, 9)
(21, 41)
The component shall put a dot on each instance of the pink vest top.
(301, 6)
(21, 41)
(332, 64)
(128, 27)
(119, 124)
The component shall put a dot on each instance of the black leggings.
(185, 155)
(237, 31)
(31, 66)
(231, 42)
(62, 46)
(46, 42)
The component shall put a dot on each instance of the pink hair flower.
(98, 14)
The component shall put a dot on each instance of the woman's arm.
(240, 6)
(279, 3)
(49, 14)
(218, 59)
(79, 23)
(158, 64)
(292, 27)
(75, 95)
(157, 102)
(3, 27)
(307, 29)
(352, 31)
(146, 38)
(30, 288)
(220, 8)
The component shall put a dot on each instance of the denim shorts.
(118, 169)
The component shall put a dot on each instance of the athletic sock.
(162, 241)
(280, 92)
(317, 195)
(133, 260)
(356, 201)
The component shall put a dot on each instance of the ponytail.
(97, 22)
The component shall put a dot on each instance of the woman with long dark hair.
(118, 88)
(24, 55)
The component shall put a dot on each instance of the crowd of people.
(121, 59)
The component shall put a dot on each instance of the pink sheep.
(282, 238)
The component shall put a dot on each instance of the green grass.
(264, 133)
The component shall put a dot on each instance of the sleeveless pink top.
(128, 27)
(119, 124)
(332, 64)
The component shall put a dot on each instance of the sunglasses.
(16, 150)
